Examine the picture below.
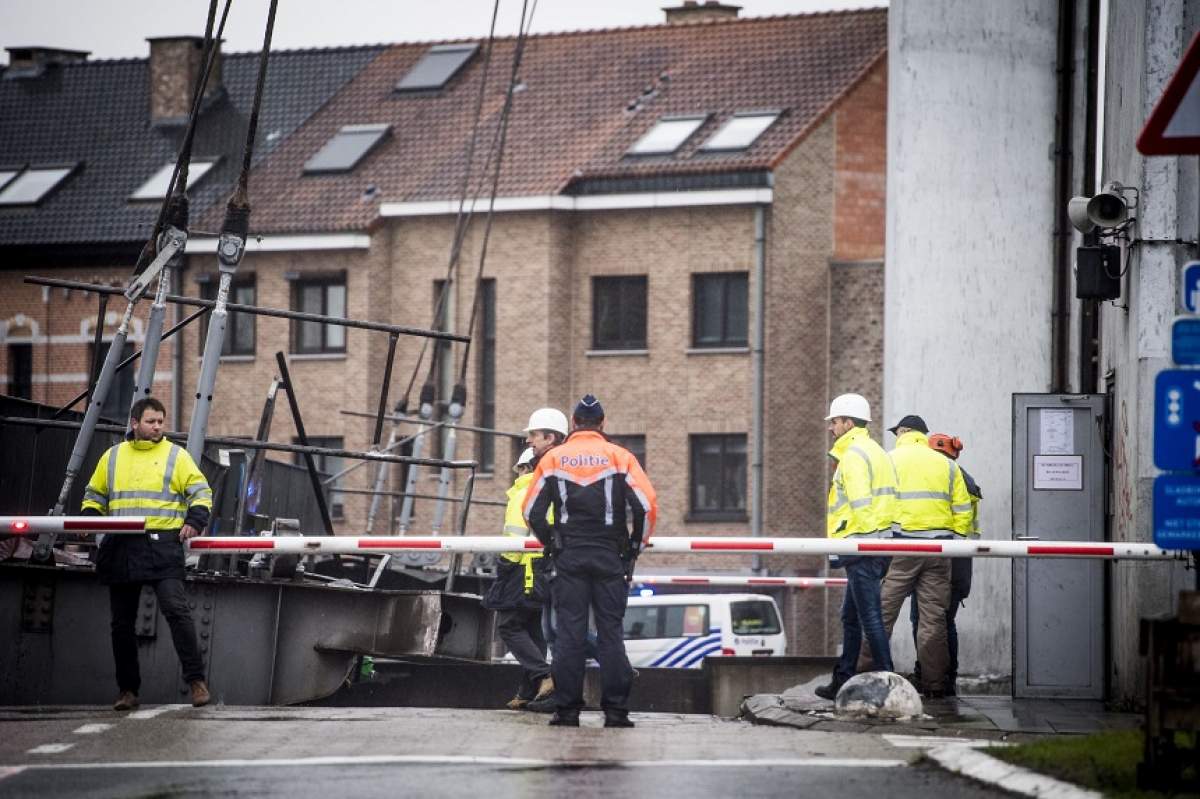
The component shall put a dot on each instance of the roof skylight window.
(32, 185)
(346, 148)
(740, 131)
(156, 187)
(667, 135)
(7, 174)
(435, 69)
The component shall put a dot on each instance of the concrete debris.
(878, 695)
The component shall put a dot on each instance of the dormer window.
(347, 147)
(435, 69)
(156, 187)
(667, 135)
(740, 131)
(30, 186)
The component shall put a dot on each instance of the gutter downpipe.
(1060, 330)
(757, 376)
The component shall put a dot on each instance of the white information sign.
(1058, 472)
(1057, 431)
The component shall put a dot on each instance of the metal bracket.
(175, 242)
(37, 606)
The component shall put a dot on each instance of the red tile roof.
(571, 121)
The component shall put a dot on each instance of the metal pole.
(97, 340)
(757, 367)
(380, 481)
(158, 311)
(294, 404)
(134, 357)
(230, 248)
(383, 391)
(410, 484)
(45, 543)
(458, 402)
(456, 558)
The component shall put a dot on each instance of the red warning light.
(19, 526)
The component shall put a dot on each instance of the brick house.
(641, 166)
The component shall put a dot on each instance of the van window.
(754, 617)
(665, 621)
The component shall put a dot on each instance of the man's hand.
(187, 531)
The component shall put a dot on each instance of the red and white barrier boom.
(977, 548)
(36, 525)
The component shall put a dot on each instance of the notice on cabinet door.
(1058, 472)
(1057, 435)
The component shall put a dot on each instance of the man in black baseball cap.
(910, 422)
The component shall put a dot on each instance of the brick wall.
(860, 190)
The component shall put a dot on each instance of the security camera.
(1108, 209)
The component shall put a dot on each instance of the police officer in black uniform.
(604, 512)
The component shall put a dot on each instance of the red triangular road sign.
(1174, 125)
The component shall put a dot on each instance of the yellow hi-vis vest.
(862, 497)
(514, 524)
(933, 499)
(142, 478)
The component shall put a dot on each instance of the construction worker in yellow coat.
(932, 502)
(151, 477)
(519, 595)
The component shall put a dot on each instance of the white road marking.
(92, 729)
(10, 771)
(985, 768)
(472, 760)
(934, 741)
(50, 749)
(150, 713)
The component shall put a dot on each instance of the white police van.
(680, 630)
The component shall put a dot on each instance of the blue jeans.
(862, 615)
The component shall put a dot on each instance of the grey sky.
(118, 28)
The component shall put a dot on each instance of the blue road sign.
(1177, 420)
(1189, 287)
(1177, 511)
(1185, 341)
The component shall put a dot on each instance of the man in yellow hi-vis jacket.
(151, 477)
(519, 595)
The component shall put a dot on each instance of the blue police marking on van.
(1177, 511)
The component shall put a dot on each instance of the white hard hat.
(525, 459)
(853, 405)
(547, 419)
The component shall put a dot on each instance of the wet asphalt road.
(177, 751)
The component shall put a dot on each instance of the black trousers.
(173, 604)
(590, 577)
(521, 632)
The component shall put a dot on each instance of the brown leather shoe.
(126, 701)
(516, 703)
(200, 694)
(545, 688)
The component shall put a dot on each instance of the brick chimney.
(693, 11)
(175, 64)
(30, 62)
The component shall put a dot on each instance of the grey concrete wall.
(1144, 45)
(970, 253)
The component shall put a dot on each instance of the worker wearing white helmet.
(862, 504)
(547, 428)
(520, 594)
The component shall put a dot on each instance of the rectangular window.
(31, 186)
(324, 295)
(155, 187)
(239, 327)
(667, 135)
(486, 353)
(347, 147)
(436, 67)
(120, 392)
(619, 313)
(328, 466)
(20, 371)
(720, 309)
(718, 476)
(635, 444)
(665, 621)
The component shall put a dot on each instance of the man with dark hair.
(862, 504)
(151, 477)
(593, 486)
